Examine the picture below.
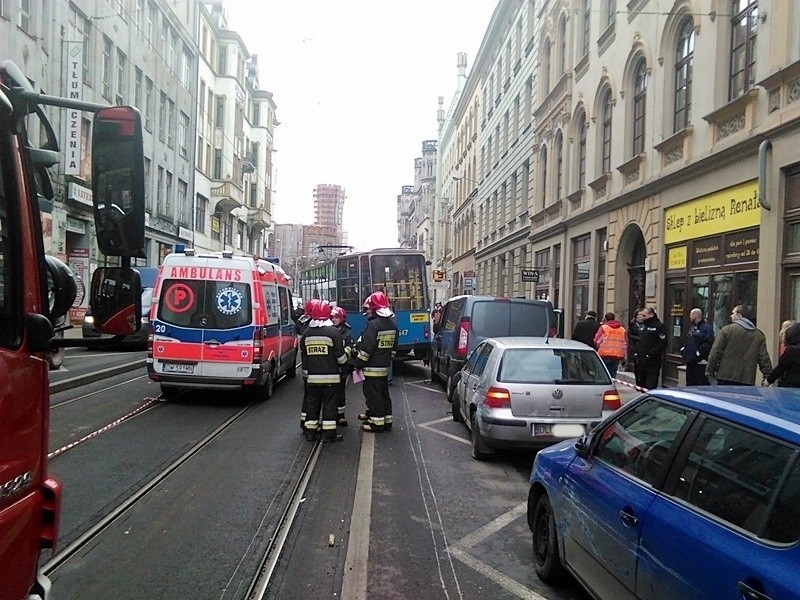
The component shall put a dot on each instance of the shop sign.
(76, 226)
(78, 193)
(74, 77)
(741, 247)
(185, 233)
(530, 275)
(469, 283)
(676, 258)
(707, 253)
(730, 209)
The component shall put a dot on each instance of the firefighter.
(323, 356)
(374, 356)
(302, 326)
(339, 318)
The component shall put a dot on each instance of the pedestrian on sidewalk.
(611, 341)
(650, 349)
(586, 329)
(787, 371)
(739, 348)
(696, 348)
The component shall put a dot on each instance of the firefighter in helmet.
(323, 356)
(339, 318)
(302, 326)
(374, 357)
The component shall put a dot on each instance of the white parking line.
(425, 387)
(444, 433)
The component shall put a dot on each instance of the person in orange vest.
(611, 341)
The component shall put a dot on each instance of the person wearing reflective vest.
(302, 326)
(374, 357)
(339, 318)
(611, 341)
(323, 356)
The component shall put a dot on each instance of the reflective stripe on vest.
(613, 343)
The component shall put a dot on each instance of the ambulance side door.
(272, 329)
(288, 331)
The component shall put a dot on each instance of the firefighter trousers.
(379, 403)
(322, 398)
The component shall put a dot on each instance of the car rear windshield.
(504, 318)
(556, 366)
(205, 304)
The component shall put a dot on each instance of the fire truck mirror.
(118, 181)
(61, 288)
(116, 300)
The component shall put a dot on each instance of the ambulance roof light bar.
(188, 251)
(227, 254)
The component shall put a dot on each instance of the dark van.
(468, 320)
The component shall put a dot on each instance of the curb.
(73, 382)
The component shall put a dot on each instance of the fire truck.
(36, 292)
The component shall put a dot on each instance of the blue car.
(683, 493)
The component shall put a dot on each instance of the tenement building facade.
(661, 166)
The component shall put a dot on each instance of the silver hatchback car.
(526, 392)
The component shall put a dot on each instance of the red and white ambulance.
(220, 321)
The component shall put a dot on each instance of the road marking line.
(447, 435)
(426, 388)
(499, 578)
(437, 421)
(354, 579)
(492, 527)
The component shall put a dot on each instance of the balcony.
(258, 218)
(226, 196)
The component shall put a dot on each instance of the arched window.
(562, 46)
(587, 22)
(684, 57)
(581, 151)
(605, 163)
(639, 106)
(558, 148)
(546, 67)
(543, 171)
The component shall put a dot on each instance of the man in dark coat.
(650, 349)
(699, 340)
(586, 329)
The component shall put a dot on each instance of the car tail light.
(497, 398)
(611, 400)
(463, 338)
(426, 332)
(258, 346)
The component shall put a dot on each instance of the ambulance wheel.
(269, 384)
(291, 371)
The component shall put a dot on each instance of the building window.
(546, 67)
(639, 106)
(160, 191)
(148, 197)
(587, 22)
(168, 195)
(148, 104)
(581, 154)
(108, 48)
(171, 125)
(81, 29)
(256, 113)
(744, 27)
(684, 57)
(217, 163)
(184, 210)
(580, 276)
(162, 117)
(24, 20)
(611, 12)
(602, 252)
(201, 207)
(122, 78)
(183, 135)
(605, 165)
(222, 60)
(558, 148)
(556, 274)
(543, 174)
(562, 46)
(542, 265)
(219, 113)
(137, 88)
(186, 67)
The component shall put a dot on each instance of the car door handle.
(628, 518)
(750, 593)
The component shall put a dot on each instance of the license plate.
(558, 430)
(176, 368)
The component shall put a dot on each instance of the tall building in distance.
(328, 205)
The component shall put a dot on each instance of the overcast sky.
(356, 84)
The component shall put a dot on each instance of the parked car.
(136, 340)
(684, 493)
(468, 320)
(531, 392)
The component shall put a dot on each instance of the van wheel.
(269, 384)
(480, 451)
(449, 385)
(292, 370)
(435, 377)
(455, 403)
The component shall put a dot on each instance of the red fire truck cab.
(37, 290)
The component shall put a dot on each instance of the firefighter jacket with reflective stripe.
(611, 341)
(322, 354)
(374, 349)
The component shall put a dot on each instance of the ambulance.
(220, 321)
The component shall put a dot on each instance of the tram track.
(93, 533)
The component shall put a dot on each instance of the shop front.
(712, 249)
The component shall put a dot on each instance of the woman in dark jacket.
(787, 373)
